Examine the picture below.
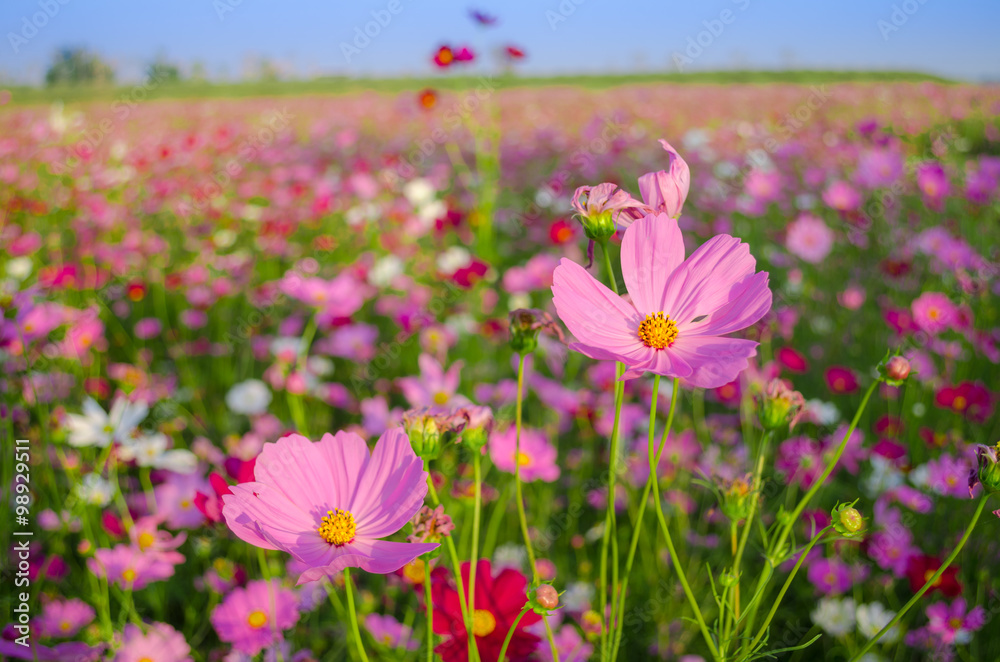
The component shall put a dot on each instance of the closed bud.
(987, 471)
(424, 432)
(546, 597)
(897, 368)
(847, 520)
(525, 325)
(778, 405)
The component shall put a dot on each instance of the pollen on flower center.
(483, 623)
(338, 527)
(257, 619)
(658, 331)
(523, 459)
(440, 398)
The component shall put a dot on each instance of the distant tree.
(163, 72)
(78, 66)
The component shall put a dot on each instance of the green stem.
(477, 505)
(784, 588)
(519, 497)
(429, 605)
(678, 568)
(353, 616)
(930, 582)
(610, 537)
(654, 463)
(510, 633)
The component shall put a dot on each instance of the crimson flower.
(920, 568)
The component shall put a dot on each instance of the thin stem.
(678, 568)
(510, 632)
(477, 504)
(429, 606)
(353, 616)
(654, 461)
(784, 588)
(607, 266)
(930, 582)
(610, 537)
(453, 555)
(519, 496)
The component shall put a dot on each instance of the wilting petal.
(714, 361)
(652, 248)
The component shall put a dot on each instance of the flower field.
(678, 372)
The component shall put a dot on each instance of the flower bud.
(987, 470)
(547, 596)
(778, 405)
(736, 499)
(424, 432)
(847, 520)
(478, 424)
(525, 324)
(897, 368)
(599, 208)
(430, 525)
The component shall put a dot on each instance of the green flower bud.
(424, 432)
(778, 405)
(847, 520)
(987, 472)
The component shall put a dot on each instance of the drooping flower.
(328, 503)
(680, 310)
(498, 601)
(253, 618)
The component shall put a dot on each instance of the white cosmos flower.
(872, 618)
(151, 450)
(249, 397)
(95, 490)
(834, 616)
(96, 428)
(384, 271)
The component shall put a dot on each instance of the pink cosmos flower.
(680, 310)
(842, 196)
(64, 618)
(934, 312)
(434, 386)
(328, 503)
(128, 567)
(596, 201)
(952, 623)
(537, 458)
(665, 191)
(253, 618)
(809, 238)
(161, 643)
(830, 576)
(389, 632)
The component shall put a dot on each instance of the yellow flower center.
(145, 659)
(128, 575)
(955, 623)
(930, 573)
(65, 626)
(959, 403)
(523, 459)
(440, 398)
(257, 619)
(146, 540)
(414, 571)
(658, 331)
(338, 527)
(483, 623)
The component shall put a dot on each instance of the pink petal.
(392, 489)
(606, 326)
(664, 362)
(263, 516)
(714, 361)
(749, 300)
(652, 248)
(378, 556)
(703, 283)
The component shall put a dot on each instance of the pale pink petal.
(714, 361)
(392, 489)
(602, 321)
(652, 249)
(264, 517)
(661, 362)
(430, 369)
(377, 556)
(749, 300)
(703, 283)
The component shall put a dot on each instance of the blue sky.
(957, 38)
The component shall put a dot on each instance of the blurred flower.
(97, 428)
(249, 397)
(253, 618)
(537, 456)
(389, 632)
(835, 616)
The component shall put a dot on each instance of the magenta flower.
(680, 310)
(161, 643)
(434, 386)
(64, 618)
(953, 624)
(389, 632)
(254, 617)
(328, 503)
(808, 238)
(129, 567)
(933, 312)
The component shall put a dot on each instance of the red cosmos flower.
(514, 53)
(464, 54)
(427, 99)
(498, 602)
(792, 360)
(841, 380)
(970, 399)
(889, 426)
(920, 568)
(211, 505)
(444, 57)
(468, 276)
(562, 231)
